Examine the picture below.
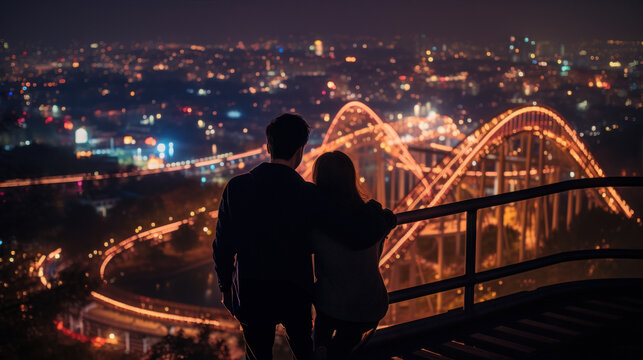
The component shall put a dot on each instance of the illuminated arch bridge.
(526, 146)
(432, 163)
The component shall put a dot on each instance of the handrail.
(506, 198)
(497, 273)
(471, 207)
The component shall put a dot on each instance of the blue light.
(526, 39)
(212, 167)
(280, 50)
(24, 88)
(1, 242)
(203, 179)
(534, 62)
(10, 93)
(234, 114)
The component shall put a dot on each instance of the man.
(261, 250)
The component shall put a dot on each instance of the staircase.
(592, 319)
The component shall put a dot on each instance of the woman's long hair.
(334, 174)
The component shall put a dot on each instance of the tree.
(28, 310)
(488, 241)
(185, 238)
(81, 228)
(10, 110)
(181, 347)
(597, 228)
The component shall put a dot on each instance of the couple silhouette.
(272, 224)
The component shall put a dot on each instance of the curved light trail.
(155, 314)
(167, 168)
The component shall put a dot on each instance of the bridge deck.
(583, 320)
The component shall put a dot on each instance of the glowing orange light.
(351, 59)
(150, 141)
(68, 125)
(82, 154)
(128, 140)
(156, 314)
(441, 147)
(96, 341)
(154, 163)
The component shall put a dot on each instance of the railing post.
(470, 264)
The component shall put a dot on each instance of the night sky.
(209, 21)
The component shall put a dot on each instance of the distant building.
(102, 206)
(550, 50)
(319, 48)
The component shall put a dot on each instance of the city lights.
(234, 114)
(150, 141)
(122, 149)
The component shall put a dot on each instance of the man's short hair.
(285, 134)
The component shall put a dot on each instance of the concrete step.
(502, 343)
(571, 319)
(426, 354)
(545, 327)
(597, 314)
(530, 336)
(459, 350)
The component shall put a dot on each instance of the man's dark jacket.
(265, 218)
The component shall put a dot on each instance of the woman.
(350, 297)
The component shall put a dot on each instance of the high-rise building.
(319, 48)
(550, 50)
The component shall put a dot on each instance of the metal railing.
(471, 207)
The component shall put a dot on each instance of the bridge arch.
(341, 134)
(537, 120)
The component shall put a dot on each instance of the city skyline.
(209, 22)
